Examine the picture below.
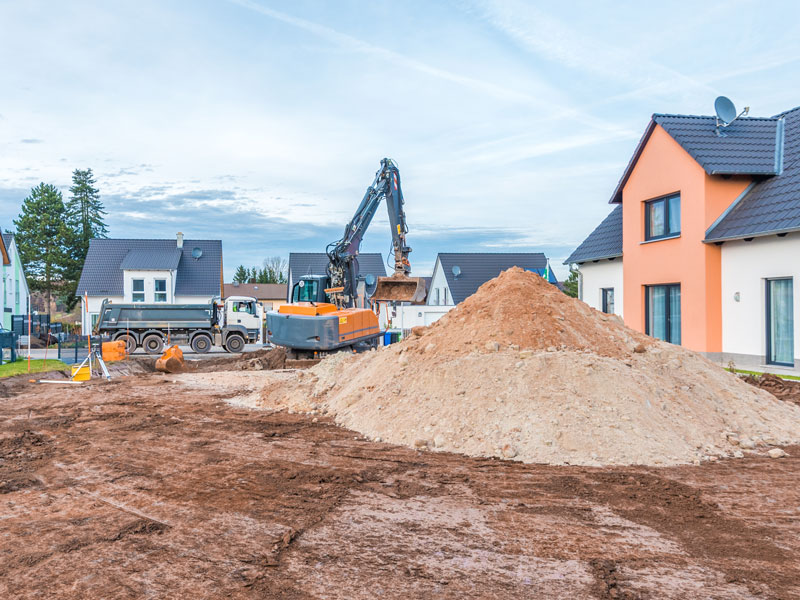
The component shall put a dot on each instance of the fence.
(73, 348)
(39, 324)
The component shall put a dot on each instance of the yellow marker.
(342, 320)
(398, 229)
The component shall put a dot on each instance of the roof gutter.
(592, 259)
(742, 236)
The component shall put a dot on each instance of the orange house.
(706, 219)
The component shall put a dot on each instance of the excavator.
(323, 314)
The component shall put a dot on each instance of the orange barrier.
(113, 351)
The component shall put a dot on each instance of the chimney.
(180, 240)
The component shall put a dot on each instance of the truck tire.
(130, 342)
(201, 343)
(234, 343)
(153, 344)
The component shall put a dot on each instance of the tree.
(84, 215)
(571, 283)
(276, 269)
(241, 275)
(42, 238)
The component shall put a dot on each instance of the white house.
(15, 288)
(174, 271)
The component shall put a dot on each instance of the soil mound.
(260, 360)
(785, 389)
(518, 308)
(521, 371)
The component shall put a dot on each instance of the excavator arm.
(343, 254)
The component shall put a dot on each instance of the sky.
(261, 123)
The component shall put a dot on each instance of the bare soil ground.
(142, 488)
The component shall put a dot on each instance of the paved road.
(67, 353)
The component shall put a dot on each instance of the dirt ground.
(143, 488)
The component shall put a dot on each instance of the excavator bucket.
(399, 288)
(171, 361)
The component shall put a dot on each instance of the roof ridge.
(679, 116)
(786, 112)
(490, 253)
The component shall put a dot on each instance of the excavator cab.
(310, 288)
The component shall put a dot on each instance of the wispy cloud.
(31, 141)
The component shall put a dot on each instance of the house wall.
(149, 277)
(598, 275)
(745, 268)
(664, 168)
(15, 287)
(439, 293)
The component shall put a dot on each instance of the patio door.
(780, 322)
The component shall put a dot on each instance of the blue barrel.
(387, 338)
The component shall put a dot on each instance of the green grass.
(37, 366)
(757, 373)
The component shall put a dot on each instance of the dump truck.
(323, 315)
(231, 323)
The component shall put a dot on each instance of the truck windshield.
(305, 293)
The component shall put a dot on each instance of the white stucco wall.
(745, 268)
(439, 292)
(602, 274)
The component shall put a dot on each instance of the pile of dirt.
(260, 360)
(520, 370)
(785, 389)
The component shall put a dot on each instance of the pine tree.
(571, 283)
(241, 275)
(84, 215)
(42, 237)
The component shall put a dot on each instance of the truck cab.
(247, 312)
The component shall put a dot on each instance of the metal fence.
(73, 348)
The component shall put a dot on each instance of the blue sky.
(261, 123)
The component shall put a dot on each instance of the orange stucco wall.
(665, 168)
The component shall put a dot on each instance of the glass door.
(780, 322)
(663, 312)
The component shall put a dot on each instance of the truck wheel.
(234, 343)
(130, 342)
(201, 343)
(153, 344)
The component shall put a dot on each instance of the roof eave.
(742, 236)
(581, 261)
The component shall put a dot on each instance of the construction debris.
(521, 371)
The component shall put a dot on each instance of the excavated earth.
(144, 487)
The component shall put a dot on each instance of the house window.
(445, 296)
(138, 290)
(436, 297)
(16, 292)
(607, 297)
(662, 217)
(663, 312)
(780, 322)
(161, 290)
(94, 317)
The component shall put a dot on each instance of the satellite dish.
(726, 111)
(456, 271)
(370, 279)
(196, 253)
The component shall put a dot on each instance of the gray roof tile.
(748, 146)
(771, 205)
(479, 267)
(604, 242)
(102, 273)
(152, 259)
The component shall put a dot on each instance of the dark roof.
(316, 263)
(748, 146)
(103, 275)
(259, 291)
(152, 259)
(604, 242)
(7, 237)
(479, 267)
(770, 205)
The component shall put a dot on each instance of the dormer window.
(662, 218)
